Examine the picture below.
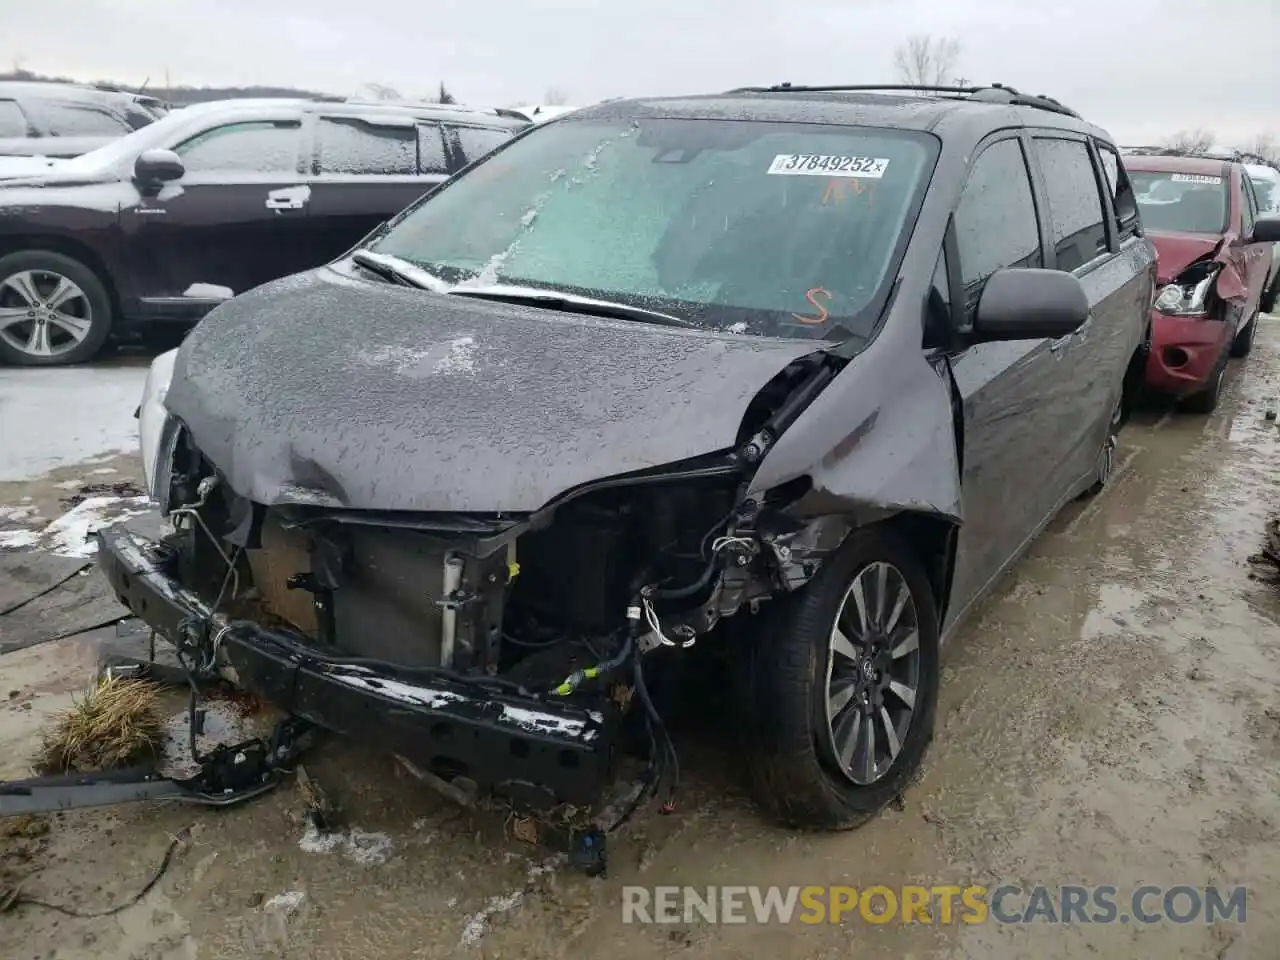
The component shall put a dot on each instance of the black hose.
(679, 593)
(651, 713)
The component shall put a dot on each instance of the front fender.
(880, 439)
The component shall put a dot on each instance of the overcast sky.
(1141, 68)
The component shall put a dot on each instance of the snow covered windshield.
(779, 229)
(1181, 202)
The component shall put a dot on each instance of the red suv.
(1202, 216)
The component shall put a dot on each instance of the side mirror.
(1266, 230)
(157, 166)
(1029, 304)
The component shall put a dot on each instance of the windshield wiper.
(399, 271)
(568, 302)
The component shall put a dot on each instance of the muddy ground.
(1110, 716)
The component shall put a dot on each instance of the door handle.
(1056, 345)
(1084, 327)
(289, 198)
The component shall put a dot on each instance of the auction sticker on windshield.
(1195, 178)
(825, 165)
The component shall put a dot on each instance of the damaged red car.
(1214, 257)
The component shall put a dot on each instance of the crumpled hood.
(1177, 251)
(329, 390)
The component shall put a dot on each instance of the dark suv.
(791, 374)
(66, 120)
(160, 226)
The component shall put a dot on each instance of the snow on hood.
(15, 167)
(324, 389)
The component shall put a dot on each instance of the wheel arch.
(933, 539)
(69, 247)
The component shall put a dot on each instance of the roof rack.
(1224, 156)
(994, 93)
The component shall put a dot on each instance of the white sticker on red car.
(1195, 178)
(827, 165)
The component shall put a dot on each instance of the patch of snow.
(209, 291)
(360, 846)
(456, 356)
(18, 539)
(68, 536)
(477, 924)
(739, 327)
(460, 358)
(287, 903)
(68, 485)
(63, 416)
(16, 514)
(102, 471)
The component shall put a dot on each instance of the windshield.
(1181, 202)
(778, 229)
(126, 147)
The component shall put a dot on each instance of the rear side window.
(431, 149)
(349, 145)
(475, 142)
(1075, 205)
(257, 146)
(995, 222)
(13, 123)
(74, 120)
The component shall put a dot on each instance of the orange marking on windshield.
(823, 313)
(837, 187)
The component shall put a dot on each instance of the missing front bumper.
(534, 752)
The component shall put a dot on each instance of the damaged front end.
(497, 654)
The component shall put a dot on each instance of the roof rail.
(1224, 156)
(994, 93)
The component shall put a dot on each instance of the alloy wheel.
(873, 673)
(43, 313)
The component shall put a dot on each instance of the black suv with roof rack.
(792, 374)
(158, 227)
(61, 120)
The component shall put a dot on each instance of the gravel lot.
(1109, 716)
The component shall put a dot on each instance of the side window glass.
(13, 123)
(1122, 198)
(1075, 205)
(475, 142)
(1247, 212)
(995, 221)
(349, 145)
(256, 146)
(73, 120)
(431, 149)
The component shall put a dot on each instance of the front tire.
(1242, 345)
(842, 686)
(1206, 401)
(53, 310)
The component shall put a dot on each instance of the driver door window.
(995, 222)
(255, 146)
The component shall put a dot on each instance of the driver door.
(235, 219)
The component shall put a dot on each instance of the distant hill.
(179, 96)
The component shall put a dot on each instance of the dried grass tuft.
(116, 724)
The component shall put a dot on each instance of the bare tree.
(555, 97)
(927, 61)
(1265, 148)
(380, 91)
(444, 96)
(1189, 141)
